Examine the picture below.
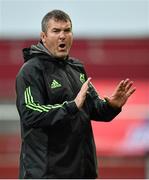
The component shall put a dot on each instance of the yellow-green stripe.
(29, 101)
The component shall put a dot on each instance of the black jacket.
(57, 138)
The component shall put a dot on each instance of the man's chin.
(61, 56)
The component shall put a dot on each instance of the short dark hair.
(57, 15)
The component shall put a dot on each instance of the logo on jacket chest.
(82, 77)
(55, 84)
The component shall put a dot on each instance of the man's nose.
(62, 35)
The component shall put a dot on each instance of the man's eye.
(67, 30)
(56, 30)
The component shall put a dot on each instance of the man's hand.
(81, 96)
(122, 92)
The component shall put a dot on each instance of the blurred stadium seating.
(122, 145)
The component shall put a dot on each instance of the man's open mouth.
(62, 45)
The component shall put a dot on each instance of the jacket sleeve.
(32, 102)
(99, 109)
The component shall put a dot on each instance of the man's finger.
(86, 84)
(128, 86)
(120, 85)
(129, 93)
(85, 87)
(88, 80)
(126, 81)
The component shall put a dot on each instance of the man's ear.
(42, 37)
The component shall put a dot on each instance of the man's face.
(58, 39)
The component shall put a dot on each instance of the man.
(56, 103)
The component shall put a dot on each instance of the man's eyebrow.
(55, 28)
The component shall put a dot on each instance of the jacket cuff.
(113, 110)
(72, 107)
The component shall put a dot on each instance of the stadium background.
(111, 37)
